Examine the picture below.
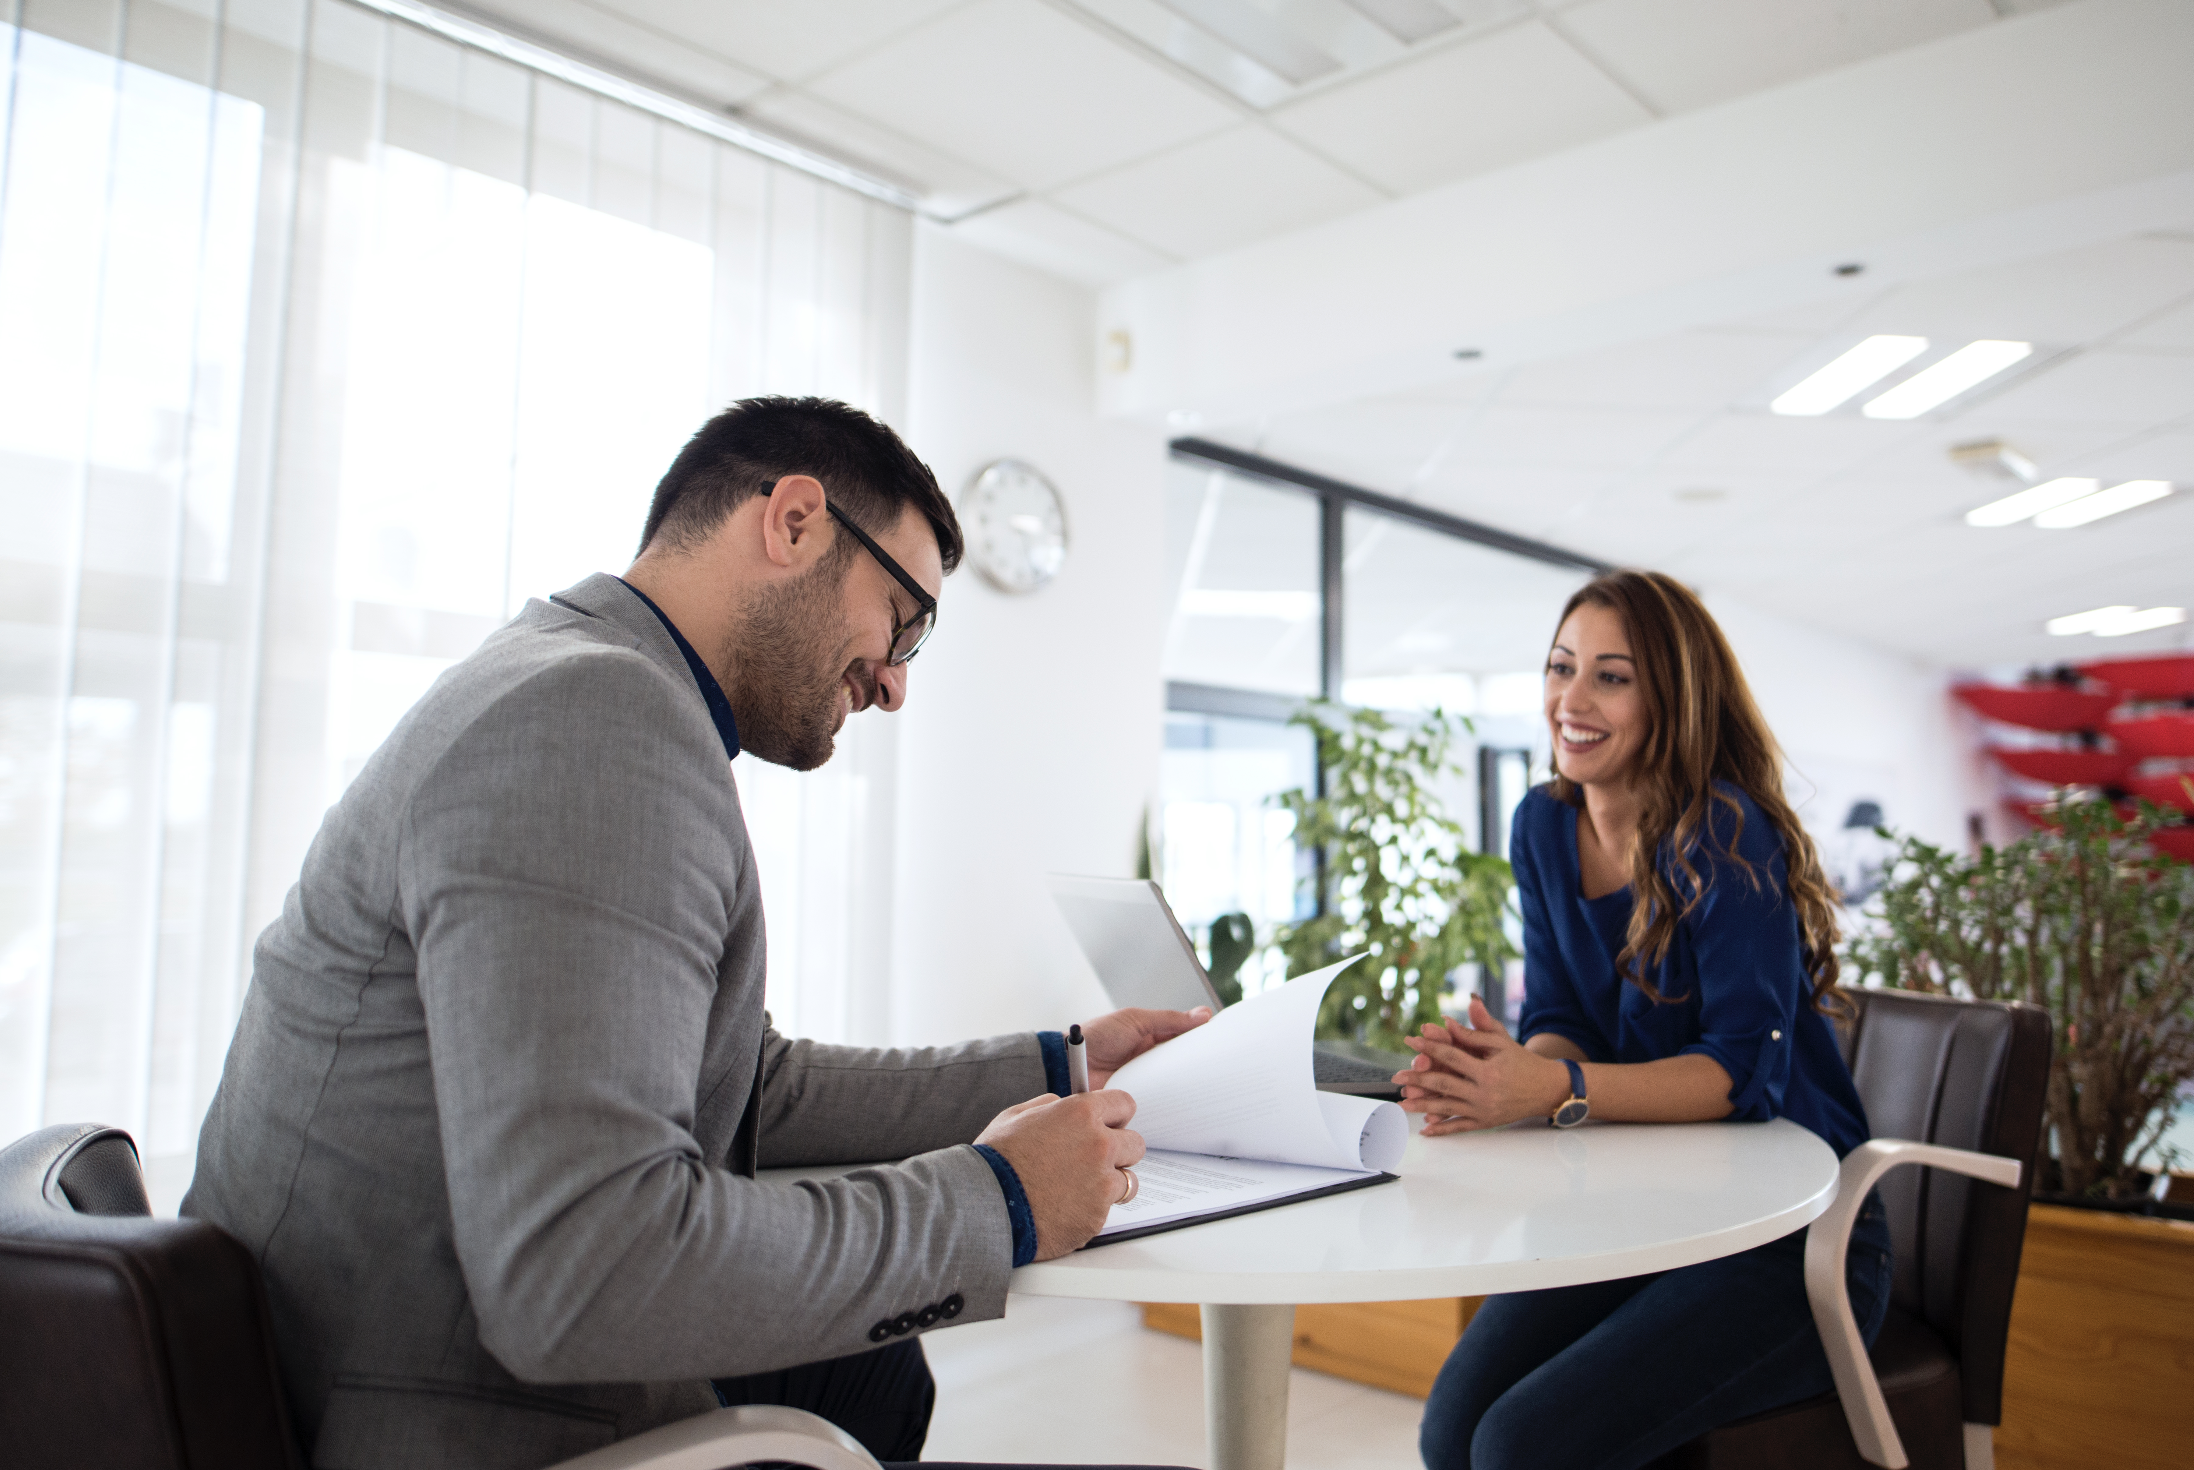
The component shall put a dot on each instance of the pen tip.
(1074, 1036)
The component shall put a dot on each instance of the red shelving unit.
(2068, 767)
(2162, 790)
(2038, 707)
(2175, 842)
(2163, 736)
(2145, 678)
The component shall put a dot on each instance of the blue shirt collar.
(712, 693)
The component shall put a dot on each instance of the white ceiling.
(1099, 139)
(1109, 139)
(1663, 453)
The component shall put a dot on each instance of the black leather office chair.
(131, 1342)
(1956, 1086)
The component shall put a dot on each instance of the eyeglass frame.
(925, 606)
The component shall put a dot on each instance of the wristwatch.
(1576, 1110)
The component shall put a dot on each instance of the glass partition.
(1243, 577)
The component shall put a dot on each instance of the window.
(1288, 585)
(330, 342)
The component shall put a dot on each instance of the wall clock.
(1016, 526)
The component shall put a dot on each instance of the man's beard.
(788, 687)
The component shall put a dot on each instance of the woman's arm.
(1475, 1076)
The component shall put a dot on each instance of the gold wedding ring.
(1134, 1187)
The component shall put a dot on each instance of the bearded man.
(495, 1105)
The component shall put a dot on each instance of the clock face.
(1016, 526)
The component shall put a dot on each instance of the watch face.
(1571, 1113)
(1016, 526)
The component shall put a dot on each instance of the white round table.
(1513, 1209)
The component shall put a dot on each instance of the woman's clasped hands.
(1477, 1076)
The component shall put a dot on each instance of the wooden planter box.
(2100, 1367)
(2099, 1370)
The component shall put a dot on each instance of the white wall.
(1031, 737)
(1859, 722)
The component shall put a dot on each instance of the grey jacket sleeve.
(563, 877)
(848, 1105)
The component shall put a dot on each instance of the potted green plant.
(1397, 878)
(2085, 921)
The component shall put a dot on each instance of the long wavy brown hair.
(1703, 727)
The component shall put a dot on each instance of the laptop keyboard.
(1329, 1067)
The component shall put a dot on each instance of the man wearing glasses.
(493, 1110)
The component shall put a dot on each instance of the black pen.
(1077, 1061)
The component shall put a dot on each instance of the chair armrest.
(1825, 1247)
(750, 1434)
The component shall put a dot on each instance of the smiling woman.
(1678, 942)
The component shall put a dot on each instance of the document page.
(1233, 1117)
(1180, 1187)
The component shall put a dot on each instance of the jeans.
(1613, 1374)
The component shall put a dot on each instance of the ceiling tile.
(1530, 500)
(1218, 192)
(1049, 238)
(1692, 53)
(1379, 443)
(589, 32)
(1694, 370)
(1023, 91)
(2068, 298)
(2103, 388)
(948, 186)
(1800, 448)
(1464, 109)
(788, 42)
(1612, 439)
(2149, 457)
(2173, 329)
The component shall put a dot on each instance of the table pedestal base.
(1246, 1352)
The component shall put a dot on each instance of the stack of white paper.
(1233, 1117)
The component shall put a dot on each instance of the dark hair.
(867, 471)
(1704, 728)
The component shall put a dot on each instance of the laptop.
(1143, 957)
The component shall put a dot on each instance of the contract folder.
(1234, 1120)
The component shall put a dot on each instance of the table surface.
(1513, 1209)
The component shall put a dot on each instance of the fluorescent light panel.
(2116, 621)
(2031, 501)
(2102, 503)
(1972, 364)
(1853, 373)
(1262, 38)
(1407, 21)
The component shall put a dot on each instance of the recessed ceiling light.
(1976, 362)
(2033, 500)
(1263, 38)
(2089, 621)
(2102, 503)
(2141, 622)
(2116, 621)
(1408, 21)
(1853, 373)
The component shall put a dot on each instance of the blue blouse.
(1734, 976)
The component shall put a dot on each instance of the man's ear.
(795, 521)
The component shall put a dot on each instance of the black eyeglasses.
(906, 639)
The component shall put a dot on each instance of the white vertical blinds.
(324, 343)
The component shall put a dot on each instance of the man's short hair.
(866, 470)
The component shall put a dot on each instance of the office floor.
(1010, 1389)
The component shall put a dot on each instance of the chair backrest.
(1964, 1074)
(126, 1340)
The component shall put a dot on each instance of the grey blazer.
(503, 1076)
